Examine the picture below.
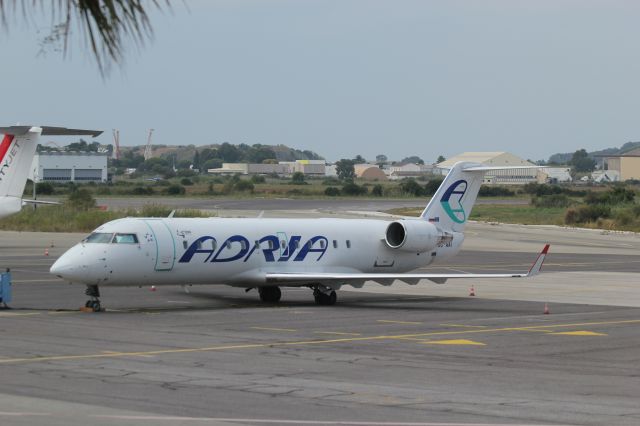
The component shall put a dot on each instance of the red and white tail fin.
(17, 149)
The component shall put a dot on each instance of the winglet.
(535, 268)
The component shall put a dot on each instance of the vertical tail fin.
(17, 149)
(451, 205)
(16, 155)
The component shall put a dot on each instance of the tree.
(377, 190)
(381, 158)
(229, 153)
(105, 25)
(196, 160)
(345, 169)
(411, 187)
(413, 159)
(581, 162)
(297, 178)
(440, 159)
(359, 159)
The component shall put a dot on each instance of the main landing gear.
(324, 295)
(94, 302)
(270, 294)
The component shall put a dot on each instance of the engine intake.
(414, 235)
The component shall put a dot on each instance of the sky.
(349, 77)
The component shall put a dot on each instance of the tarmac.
(401, 355)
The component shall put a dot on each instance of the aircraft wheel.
(325, 299)
(270, 294)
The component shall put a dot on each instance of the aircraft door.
(165, 244)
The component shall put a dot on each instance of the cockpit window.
(125, 239)
(99, 237)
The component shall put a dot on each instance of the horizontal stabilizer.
(493, 168)
(49, 203)
(48, 131)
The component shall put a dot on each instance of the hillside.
(563, 158)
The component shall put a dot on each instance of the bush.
(495, 191)
(186, 181)
(555, 200)
(332, 191)
(258, 179)
(244, 185)
(377, 190)
(411, 187)
(298, 178)
(432, 186)
(80, 199)
(142, 190)
(175, 190)
(45, 188)
(351, 188)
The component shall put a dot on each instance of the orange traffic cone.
(46, 252)
(472, 291)
(546, 309)
(153, 288)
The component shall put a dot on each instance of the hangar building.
(56, 166)
(627, 165)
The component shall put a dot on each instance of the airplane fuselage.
(237, 252)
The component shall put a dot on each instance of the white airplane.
(322, 254)
(16, 155)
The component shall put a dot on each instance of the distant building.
(56, 166)
(411, 170)
(627, 164)
(284, 168)
(554, 175)
(369, 172)
(501, 158)
(604, 176)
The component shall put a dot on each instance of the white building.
(406, 170)
(69, 167)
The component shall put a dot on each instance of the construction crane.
(116, 143)
(147, 149)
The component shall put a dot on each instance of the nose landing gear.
(94, 302)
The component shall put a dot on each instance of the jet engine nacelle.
(413, 235)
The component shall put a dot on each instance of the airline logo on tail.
(452, 201)
(4, 147)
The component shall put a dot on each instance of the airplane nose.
(70, 266)
(63, 268)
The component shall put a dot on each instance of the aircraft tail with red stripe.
(17, 149)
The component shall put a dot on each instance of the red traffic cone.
(472, 291)
(546, 309)
(153, 288)
(46, 252)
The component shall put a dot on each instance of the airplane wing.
(387, 279)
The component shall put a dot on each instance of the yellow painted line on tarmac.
(339, 333)
(303, 342)
(455, 342)
(273, 329)
(399, 322)
(463, 325)
(580, 333)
